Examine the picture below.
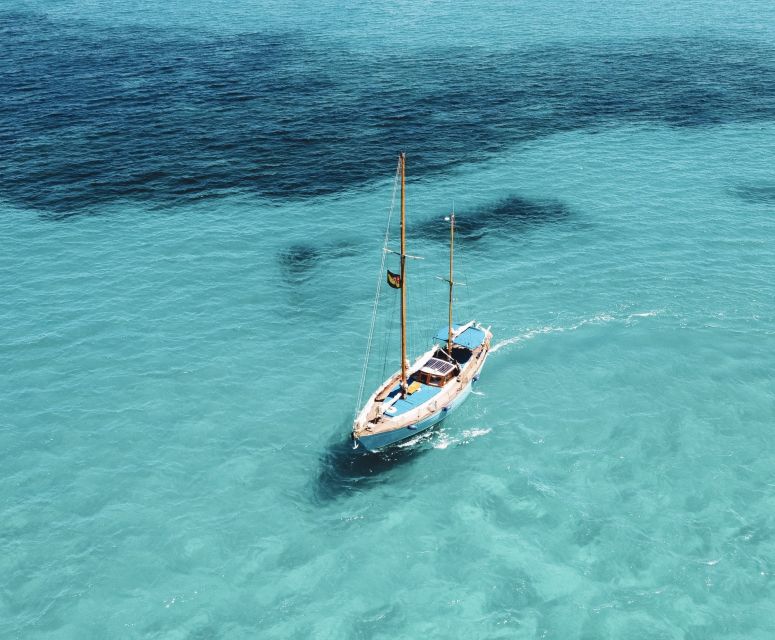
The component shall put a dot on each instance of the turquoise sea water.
(192, 205)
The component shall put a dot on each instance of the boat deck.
(402, 405)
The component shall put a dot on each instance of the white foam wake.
(600, 318)
(444, 439)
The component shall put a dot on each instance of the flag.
(394, 279)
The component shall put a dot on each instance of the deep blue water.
(192, 206)
(95, 113)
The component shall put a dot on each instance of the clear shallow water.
(179, 363)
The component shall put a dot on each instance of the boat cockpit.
(435, 372)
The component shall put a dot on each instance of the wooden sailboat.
(422, 394)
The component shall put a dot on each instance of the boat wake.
(598, 319)
(445, 439)
(442, 439)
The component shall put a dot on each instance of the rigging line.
(389, 336)
(424, 325)
(464, 295)
(380, 276)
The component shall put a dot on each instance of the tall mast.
(451, 281)
(403, 274)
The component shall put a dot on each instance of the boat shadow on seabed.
(344, 470)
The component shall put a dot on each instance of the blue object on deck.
(470, 338)
(425, 393)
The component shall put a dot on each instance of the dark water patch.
(344, 471)
(511, 594)
(90, 115)
(755, 193)
(204, 631)
(506, 216)
(587, 530)
(373, 622)
(756, 533)
(298, 262)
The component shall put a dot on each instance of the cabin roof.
(470, 338)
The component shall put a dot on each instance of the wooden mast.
(451, 281)
(403, 275)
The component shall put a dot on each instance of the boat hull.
(379, 441)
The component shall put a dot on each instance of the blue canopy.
(470, 338)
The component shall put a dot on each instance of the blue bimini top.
(470, 338)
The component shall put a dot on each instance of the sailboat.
(421, 394)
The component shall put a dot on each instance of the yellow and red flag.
(394, 279)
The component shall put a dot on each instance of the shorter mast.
(403, 275)
(451, 281)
